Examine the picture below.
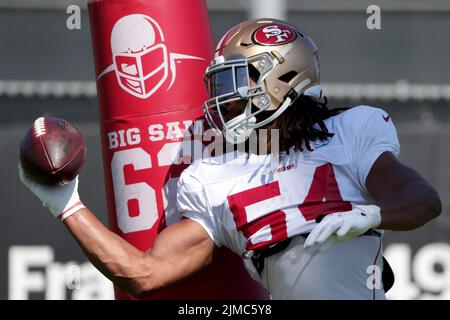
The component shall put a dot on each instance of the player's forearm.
(123, 264)
(409, 208)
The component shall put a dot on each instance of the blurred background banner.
(391, 54)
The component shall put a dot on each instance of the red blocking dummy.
(150, 57)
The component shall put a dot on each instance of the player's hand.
(341, 226)
(63, 201)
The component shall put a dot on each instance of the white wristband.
(70, 211)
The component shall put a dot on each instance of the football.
(52, 151)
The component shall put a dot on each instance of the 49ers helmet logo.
(141, 59)
(274, 34)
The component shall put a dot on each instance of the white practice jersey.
(248, 202)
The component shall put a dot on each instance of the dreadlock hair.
(299, 125)
(303, 122)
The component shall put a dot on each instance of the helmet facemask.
(237, 87)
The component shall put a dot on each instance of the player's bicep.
(388, 175)
(179, 251)
(375, 134)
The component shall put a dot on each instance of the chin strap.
(292, 95)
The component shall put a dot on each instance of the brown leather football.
(52, 151)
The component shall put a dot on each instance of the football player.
(307, 217)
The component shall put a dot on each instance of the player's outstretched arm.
(406, 199)
(179, 250)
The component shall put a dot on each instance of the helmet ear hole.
(288, 76)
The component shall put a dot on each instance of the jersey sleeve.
(192, 203)
(375, 134)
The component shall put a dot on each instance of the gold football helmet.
(259, 65)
